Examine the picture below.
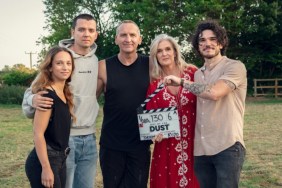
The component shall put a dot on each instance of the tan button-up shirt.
(219, 123)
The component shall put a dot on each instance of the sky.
(22, 23)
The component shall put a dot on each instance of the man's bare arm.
(102, 77)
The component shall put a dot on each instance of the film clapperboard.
(155, 121)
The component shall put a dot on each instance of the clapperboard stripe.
(152, 95)
(141, 108)
(160, 110)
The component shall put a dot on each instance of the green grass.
(262, 135)
(15, 142)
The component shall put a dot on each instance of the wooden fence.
(266, 87)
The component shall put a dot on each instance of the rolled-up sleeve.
(27, 108)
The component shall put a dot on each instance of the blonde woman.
(45, 165)
(172, 161)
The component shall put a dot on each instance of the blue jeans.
(221, 170)
(82, 161)
(57, 161)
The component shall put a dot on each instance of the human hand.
(41, 103)
(158, 138)
(47, 177)
(172, 80)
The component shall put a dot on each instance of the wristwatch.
(181, 82)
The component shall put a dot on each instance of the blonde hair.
(44, 77)
(156, 71)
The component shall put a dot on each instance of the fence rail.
(262, 87)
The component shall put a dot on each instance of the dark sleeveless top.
(58, 130)
(125, 90)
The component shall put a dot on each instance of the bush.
(11, 94)
(17, 77)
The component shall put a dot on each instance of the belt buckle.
(67, 151)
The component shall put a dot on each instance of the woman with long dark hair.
(45, 165)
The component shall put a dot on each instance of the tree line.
(253, 26)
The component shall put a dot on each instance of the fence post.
(276, 88)
(255, 88)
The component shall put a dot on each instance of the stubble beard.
(211, 55)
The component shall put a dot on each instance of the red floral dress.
(172, 161)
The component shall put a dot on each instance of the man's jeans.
(221, 170)
(82, 162)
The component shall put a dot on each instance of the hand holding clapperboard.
(155, 121)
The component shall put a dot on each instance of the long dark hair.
(44, 77)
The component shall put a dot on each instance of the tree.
(258, 44)
(155, 17)
(59, 16)
(253, 26)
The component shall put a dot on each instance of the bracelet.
(182, 82)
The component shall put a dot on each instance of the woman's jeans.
(57, 160)
(221, 170)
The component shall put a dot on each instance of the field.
(262, 134)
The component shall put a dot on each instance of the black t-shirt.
(58, 130)
(125, 90)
